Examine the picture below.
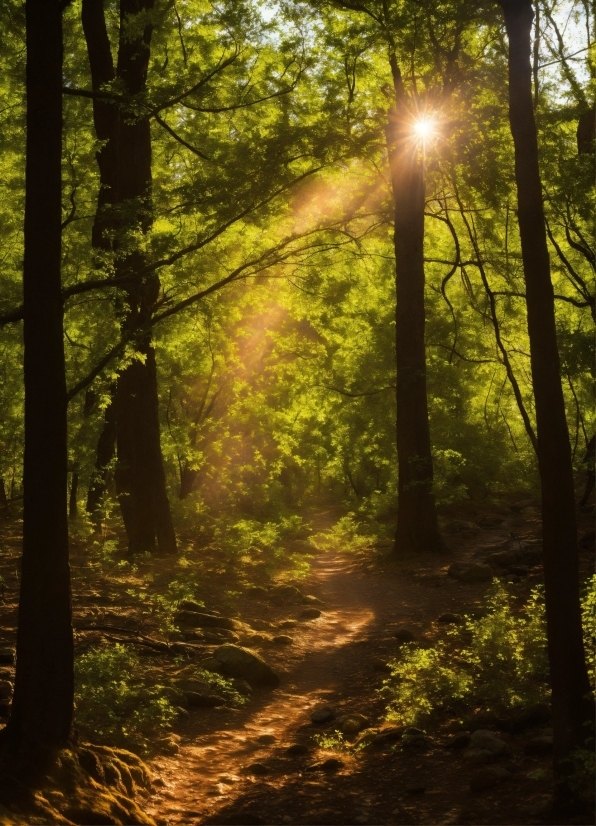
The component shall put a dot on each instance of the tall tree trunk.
(572, 707)
(42, 709)
(125, 176)
(417, 524)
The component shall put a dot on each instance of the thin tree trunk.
(106, 449)
(42, 709)
(417, 524)
(125, 173)
(73, 505)
(572, 706)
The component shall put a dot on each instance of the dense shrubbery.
(498, 662)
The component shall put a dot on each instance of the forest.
(297, 422)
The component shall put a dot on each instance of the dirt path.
(332, 661)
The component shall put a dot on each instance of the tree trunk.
(106, 448)
(572, 706)
(417, 524)
(125, 176)
(73, 505)
(42, 709)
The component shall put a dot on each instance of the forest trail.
(223, 773)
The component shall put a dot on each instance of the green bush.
(114, 703)
(499, 661)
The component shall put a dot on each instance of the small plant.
(114, 703)
(589, 623)
(346, 535)
(332, 742)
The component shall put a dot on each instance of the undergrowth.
(498, 662)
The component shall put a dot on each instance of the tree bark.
(125, 178)
(106, 448)
(417, 524)
(42, 709)
(572, 706)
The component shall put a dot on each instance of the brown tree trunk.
(417, 524)
(572, 706)
(42, 709)
(73, 505)
(125, 175)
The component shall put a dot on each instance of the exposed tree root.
(90, 785)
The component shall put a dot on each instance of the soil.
(223, 773)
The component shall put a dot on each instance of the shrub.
(114, 704)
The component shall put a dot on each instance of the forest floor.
(232, 765)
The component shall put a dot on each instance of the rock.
(330, 765)
(484, 739)
(288, 624)
(387, 737)
(4, 708)
(450, 619)
(283, 639)
(175, 696)
(219, 635)
(310, 613)
(266, 739)
(253, 639)
(322, 715)
(414, 790)
(587, 540)
(242, 687)
(5, 689)
(259, 769)
(194, 619)
(478, 757)
(203, 700)
(405, 635)
(488, 777)
(257, 592)
(352, 723)
(212, 665)
(7, 656)
(539, 746)
(190, 605)
(470, 572)
(286, 595)
(309, 599)
(185, 648)
(458, 741)
(297, 750)
(238, 662)
(381, 666)
(262, 625)
(414, 738)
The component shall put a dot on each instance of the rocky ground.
(315, 653)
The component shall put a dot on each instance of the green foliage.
(423, 682)
(116, 702)
(589, 625)
(498, 661)
(346, 535)
(332, 742)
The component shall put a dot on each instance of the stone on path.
(330, 765)
(266, 739)
(283, 639)
(310, 613)
(259, 769)
(458, 741)
(5, 689)
(297, 750)
(238, 662)
(7, 656)
(203, 700)
(352, 723)
(322, 715)
(286, 595)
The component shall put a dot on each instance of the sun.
(425, 128)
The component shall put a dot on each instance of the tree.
(572, 706)
(42, 709)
